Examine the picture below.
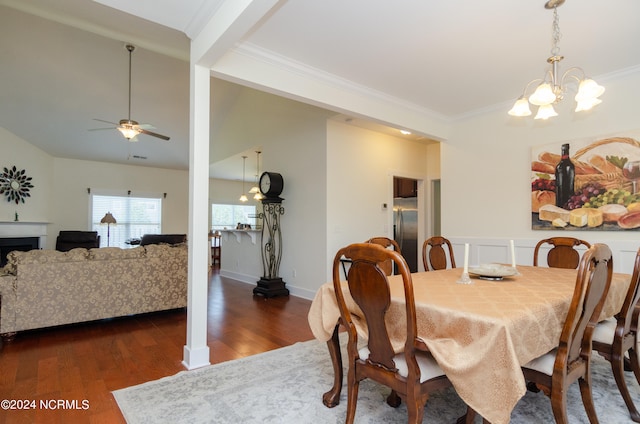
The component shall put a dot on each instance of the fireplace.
(9, 244)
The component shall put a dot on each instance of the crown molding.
(288, 65)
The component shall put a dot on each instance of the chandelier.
(552, 88)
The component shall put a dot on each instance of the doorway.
(405, 219)
(435, 208)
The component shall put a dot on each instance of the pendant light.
(255, 190)
(243, 198)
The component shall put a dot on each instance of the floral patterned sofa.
(45, 288)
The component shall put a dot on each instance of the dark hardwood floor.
(86, 362)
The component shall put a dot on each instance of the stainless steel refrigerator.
(405, 229)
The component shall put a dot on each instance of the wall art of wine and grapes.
(588, 184)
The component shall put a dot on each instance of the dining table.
(480, 333)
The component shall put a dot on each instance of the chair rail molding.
(497, 250)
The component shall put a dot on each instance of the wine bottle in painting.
(565, 176)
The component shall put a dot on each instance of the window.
(228, 216)
(135, 216)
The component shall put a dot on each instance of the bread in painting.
(603, 165)
(543, 167)
(582, 168)
(540, 198)
(630, 220)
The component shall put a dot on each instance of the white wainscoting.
(498, 250)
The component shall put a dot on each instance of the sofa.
(45, 288)
(162, 238)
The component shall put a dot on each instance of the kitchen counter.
(252, 234)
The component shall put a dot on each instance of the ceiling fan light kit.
(552, 88)
(128, 127)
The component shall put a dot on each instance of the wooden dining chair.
(562, 253)
(412, 374)
(618, 336)
(434, 256)
(555, 371)
(386, 243)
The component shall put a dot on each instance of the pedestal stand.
(270, 284)
(271, 287)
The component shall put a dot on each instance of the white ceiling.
(447, 59)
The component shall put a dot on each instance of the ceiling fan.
(128, 127)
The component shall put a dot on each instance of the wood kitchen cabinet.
(405, 187)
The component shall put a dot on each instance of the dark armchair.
(68, 240)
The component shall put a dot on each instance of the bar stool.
(215, 248)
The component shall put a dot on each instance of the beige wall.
(360, 169)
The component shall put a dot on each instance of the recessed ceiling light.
(405, 132)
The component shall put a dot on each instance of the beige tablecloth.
(480, 333)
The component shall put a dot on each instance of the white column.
(231, 21)
(196, 351)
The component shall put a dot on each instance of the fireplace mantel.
(25, 229)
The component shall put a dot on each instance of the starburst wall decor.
(15, 184)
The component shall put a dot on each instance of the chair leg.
(635, 363)
(587, 399)
(352, 396)
(470, 417)
(415, 410)
(559, 407)
(393, 400)
(531, 386)
(618, 372)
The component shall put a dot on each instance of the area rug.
(286, 386)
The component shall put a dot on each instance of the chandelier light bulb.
(520, 107)
(543, 95)
(243, 198)
(589, 89)
(587, 104)
(545, 112)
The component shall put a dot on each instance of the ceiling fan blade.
(101, 129)
(107, 122)
(147, 132)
